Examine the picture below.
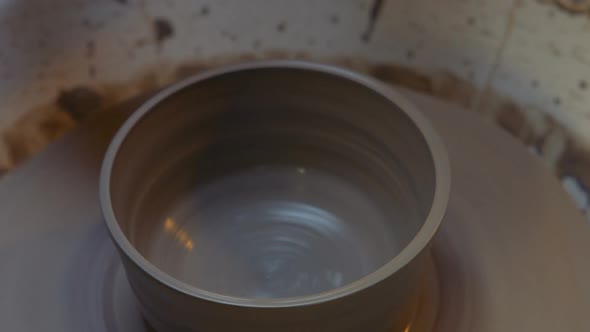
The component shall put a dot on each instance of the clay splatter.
(163, 29)
(79, 101)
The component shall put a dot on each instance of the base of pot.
(425, 308)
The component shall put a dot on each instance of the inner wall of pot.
(272, 183)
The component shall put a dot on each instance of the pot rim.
(413, 249)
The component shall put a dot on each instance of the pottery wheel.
(513, 253)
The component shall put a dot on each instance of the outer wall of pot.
(385, 306)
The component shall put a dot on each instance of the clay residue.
(441, 84)
(90, 49)
(188, 70)
(512, 120)
(334, 19)
(532, 126)
(404, 76)
(374, 14)
(34, 131)
(282, 26)
(575, 161)
(44, 124)
(79, 101)
(205, 10)
(163, 29)
(574, 6)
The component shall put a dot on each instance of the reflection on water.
(179, 234)
(274, 232)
